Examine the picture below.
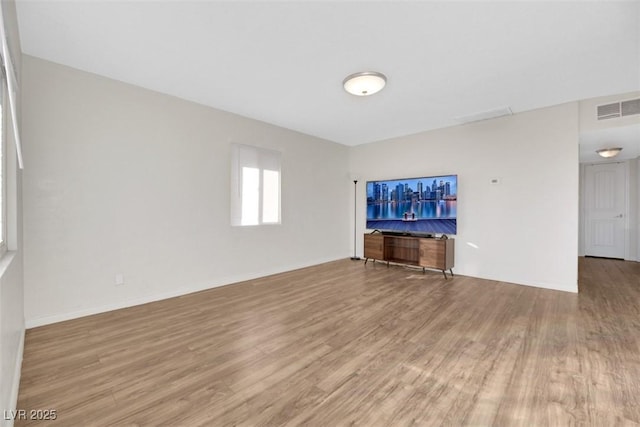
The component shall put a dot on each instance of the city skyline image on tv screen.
(413, 205)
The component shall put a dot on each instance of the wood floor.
(344, 344)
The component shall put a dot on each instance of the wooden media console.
(425, 252)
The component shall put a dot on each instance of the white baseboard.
(571, 288)
(61, 317)
(47, 320)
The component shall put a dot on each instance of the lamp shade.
(609, 152)
(364, 83)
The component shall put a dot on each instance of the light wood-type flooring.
(347, 344)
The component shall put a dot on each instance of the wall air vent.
(631, 107)
(619, 109)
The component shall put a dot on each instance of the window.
(255, 185)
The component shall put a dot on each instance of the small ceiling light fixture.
(609, 152)
(365, 83)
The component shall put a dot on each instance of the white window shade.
(255, 185)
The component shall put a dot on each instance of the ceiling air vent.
(619, 109)
(484, 115)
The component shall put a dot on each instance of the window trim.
(4, 89)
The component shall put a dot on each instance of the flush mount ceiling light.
(365, 83)
(609, 152)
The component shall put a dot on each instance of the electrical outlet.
(119, 279)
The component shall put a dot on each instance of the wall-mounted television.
(425, 205)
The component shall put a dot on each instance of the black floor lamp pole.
(355, 218)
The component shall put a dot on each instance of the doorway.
(605, 206)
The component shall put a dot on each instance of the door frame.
(629, 255)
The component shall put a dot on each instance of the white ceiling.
(284, 62)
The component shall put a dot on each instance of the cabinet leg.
(445, 273)
(365, 261)
(451, 270)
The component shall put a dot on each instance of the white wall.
(12, 324)
(525, 228)
(125, 180)
(11, 330)
(581, 250)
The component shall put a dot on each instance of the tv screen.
(425, 205)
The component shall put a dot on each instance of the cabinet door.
(374, 246)
(432, 253)
(436, 253)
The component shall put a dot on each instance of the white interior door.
(605, 200)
